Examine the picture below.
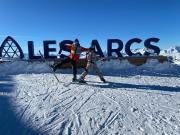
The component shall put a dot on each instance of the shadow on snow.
(9, 122)
(129, 72)
(115, 85)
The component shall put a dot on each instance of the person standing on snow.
(91, 63)
(75, 51)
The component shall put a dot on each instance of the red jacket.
(75, 51)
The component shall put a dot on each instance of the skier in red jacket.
(75, 51)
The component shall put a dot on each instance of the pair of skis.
(76, 82)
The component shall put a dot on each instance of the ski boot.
(81, 81)
(74, 79)
(103, 80)
(53, 68)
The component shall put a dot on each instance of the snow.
(108, 67)
(174, 53)
(137, 100)
(137, 104)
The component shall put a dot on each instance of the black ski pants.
(73, 63)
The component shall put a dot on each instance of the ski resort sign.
(10, 48)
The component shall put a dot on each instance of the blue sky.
(40, 20)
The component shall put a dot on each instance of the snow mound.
(23, 67)
(108, 67)
(174, 53)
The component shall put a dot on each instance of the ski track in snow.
(131, 105)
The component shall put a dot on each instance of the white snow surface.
(137, 100)
(173, 52)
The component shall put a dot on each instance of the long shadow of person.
(115, 85)
(9, 123)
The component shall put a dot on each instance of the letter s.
(148, 45)
(63, 48)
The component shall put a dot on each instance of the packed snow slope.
(143, 100)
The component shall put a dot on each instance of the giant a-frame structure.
(10, 49)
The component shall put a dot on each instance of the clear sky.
(40, 20)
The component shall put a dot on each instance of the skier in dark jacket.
(91, 63)
(75, 51)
